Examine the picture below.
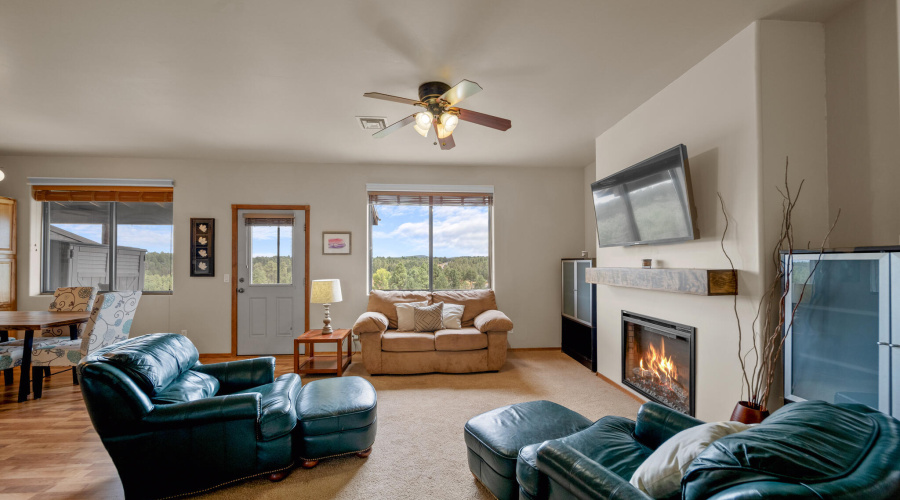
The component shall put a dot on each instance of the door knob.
(240, 290)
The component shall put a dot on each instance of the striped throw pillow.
(428, 318)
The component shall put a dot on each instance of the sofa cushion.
(462, 339)
(476, 302)
(370, 322)
(190, 386)
(154, 361)
(406, 315)
(802, 443)
(278, 406)
(384, 301)
(452, 316)
(428, 318)
(395, 341)
(493, 321)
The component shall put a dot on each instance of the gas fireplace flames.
(659, 366)
(657, 376)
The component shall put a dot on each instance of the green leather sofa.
(810, 450)
(174, 426)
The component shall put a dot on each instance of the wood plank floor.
(49, 449)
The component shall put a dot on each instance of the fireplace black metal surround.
(658, 360)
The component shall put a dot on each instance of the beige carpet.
(419, 451)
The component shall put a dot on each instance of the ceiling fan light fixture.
(442, 131)
(424, 119)
(449, 121)
(423, 131)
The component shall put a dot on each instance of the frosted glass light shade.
(450, 121)
(325, 292)
(423, 131)
(424, 119)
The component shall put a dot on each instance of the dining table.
(31, 321)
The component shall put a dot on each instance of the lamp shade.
(325, 292)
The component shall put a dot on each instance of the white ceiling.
(282, 80)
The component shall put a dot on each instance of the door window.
(271, 255)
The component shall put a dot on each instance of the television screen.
(649, 202)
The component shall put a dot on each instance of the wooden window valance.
(134, 194)
(268, 219)
(436, 199)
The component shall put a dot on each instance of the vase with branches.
(759, 361)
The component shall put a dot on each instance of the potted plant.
(759, 361)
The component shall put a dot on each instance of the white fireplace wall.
(716, 109)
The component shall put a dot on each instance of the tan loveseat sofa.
(479, 346)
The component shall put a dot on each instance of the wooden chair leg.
(8, 376)
(365, 453)
(37, 381)
(308, 464)
(74, 376)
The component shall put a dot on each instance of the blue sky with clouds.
(153, 238)
(403, 231)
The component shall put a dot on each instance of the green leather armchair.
(809, 450)
(174, 426)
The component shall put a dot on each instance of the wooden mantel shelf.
(693, 281)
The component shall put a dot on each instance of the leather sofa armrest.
(239, 375)
(493, 321)
(581, 476)
(655, 424)
(204, 411)
(370, 322)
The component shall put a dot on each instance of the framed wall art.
(203, 239)
(335, 243)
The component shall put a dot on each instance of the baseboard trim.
(623, 389)
(525, 349)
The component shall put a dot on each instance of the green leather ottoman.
(494, 439)
(334, 417)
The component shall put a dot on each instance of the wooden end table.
(329, 363)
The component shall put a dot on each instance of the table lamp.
(326, 292)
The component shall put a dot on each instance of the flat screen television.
(647, 203)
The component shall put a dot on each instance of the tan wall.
(716, 110)
(590, 219)
(861, 47)
(530, 234)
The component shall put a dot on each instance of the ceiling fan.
(441, 113)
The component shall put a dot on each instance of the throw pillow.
(660, 475)
(452, 316)
(406, 321)
(428, 318)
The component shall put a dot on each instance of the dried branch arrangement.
(759, 361)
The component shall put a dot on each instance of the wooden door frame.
(234, 262)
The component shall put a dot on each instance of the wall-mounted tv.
(647, 203)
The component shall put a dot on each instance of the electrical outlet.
(184, 332)
(227, 278)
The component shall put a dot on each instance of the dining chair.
(110, 322)
(65, 299)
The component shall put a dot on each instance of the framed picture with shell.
(203, 239)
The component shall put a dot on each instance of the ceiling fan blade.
(394, 127)
(483, 119)
(386, 97)
(461, 91)
(447, 142)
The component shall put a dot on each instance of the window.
(430, 241)
(271, 248)
(111, 245)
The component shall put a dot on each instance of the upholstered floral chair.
(74, 299)
(110, 322)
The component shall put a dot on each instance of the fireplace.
(658, 360)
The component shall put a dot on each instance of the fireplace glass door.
(838, 347)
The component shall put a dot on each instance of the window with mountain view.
(430, 241)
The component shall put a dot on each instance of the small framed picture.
(203, 239)
(335, 243)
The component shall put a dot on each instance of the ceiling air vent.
(373, 123)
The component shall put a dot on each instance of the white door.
(270, 280)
